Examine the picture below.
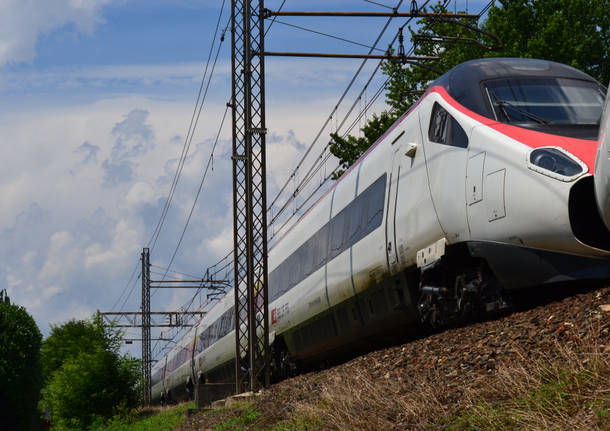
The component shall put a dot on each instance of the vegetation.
(567, 392)
(548, 396)
(574, 32)
(87, 381)
(73, 338)
(154, 419)
(20, 379)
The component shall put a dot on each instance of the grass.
(239, 421)
(153, 419)
(567, 394)
(569, 390)
(246, 416)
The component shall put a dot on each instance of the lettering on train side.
(315, 302)
(279, 313)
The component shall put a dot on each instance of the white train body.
(465, 191)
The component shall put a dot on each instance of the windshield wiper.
(503, 104)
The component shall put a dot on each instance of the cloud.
(123, 246)
(22, 22)
(90, 151)
(133, 138)
(69, 242)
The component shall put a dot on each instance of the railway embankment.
(545, 367)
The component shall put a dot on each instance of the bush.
(72, 338)
(90, 387)
(20, 373)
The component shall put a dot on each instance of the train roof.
(463, 82)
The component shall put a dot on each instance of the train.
(496, 180)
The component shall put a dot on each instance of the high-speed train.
(497, 179)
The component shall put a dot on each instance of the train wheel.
(282, 366)
(454, 293)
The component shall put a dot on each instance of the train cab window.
(444, 129)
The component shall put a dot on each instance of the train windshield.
(541, 102)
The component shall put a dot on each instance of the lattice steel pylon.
(146, 355)
(249, 196)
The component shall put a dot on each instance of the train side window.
(355, 221)
(337, 233)
(307, 264)
(319, 242)
(444, 129)
(375, 196)
(458, 135)
(273, 283)
(293, 270)
(437, 132)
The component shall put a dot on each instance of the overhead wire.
(174, 271)
(205, 173)
(329, 118)
(320, 159)
(329, 35)
(367, 105)
(160, 222)
(204, 176)
(191, 130)
(274, 18)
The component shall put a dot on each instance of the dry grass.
(535, 375)
(568, 389)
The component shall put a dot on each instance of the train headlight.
(556, 162)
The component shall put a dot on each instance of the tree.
(574, 32)
(86, 378)
(75, 337)
(20, 380)
(90, 386)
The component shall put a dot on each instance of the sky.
(96, 97)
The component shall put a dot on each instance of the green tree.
(90, 386)
(75, 337)
(20, 380)
(574, 32)
(86, 378)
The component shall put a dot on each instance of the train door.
(390, 215)
(193, 355)
(446, 152)
(164, 378)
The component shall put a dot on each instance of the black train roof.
(463, 82)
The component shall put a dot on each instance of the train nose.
(602, 166)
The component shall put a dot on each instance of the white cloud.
(124, 244)
(139, 194)
(23, 21)
(69, 240)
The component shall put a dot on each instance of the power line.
(194, 204)
(317, 160)
(157, 230)
(191, 130)
(328, 35)
(188, 220)
(174, 271)
(273, 20)
(329, 118)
